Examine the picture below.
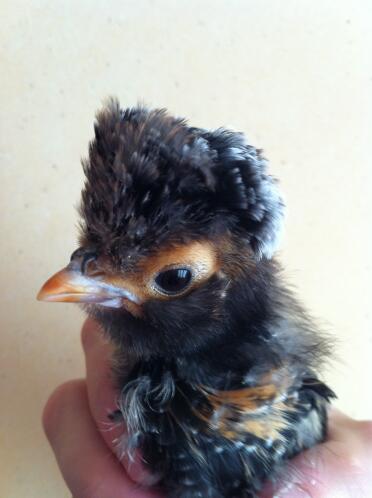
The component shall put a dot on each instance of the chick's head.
(173, 220)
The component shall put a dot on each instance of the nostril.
(77, 254)
(81, 258)
(87, 258)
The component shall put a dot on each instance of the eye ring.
(173, 281)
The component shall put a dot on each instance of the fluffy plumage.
(218, 381)
(150, 178)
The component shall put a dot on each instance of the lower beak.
(71, 286)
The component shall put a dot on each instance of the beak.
(71, 286)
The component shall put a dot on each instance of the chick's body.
(215, 359)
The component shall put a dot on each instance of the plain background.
(296, 76)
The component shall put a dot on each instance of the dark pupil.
(173, 280)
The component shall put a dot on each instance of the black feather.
(147, 165)
(151, 180)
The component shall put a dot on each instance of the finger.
(102, 399)
(88, 467)
(101, 392)
(338, 422)
(337, 468)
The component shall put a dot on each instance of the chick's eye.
(173, 281)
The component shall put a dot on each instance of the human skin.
(83, 440)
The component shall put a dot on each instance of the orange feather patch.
(260, 410)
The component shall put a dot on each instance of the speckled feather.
(219, 386)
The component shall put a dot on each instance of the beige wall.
(295, 75)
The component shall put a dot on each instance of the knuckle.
(56, 404)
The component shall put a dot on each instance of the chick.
(216, 361)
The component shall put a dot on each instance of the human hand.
(75, 421)
(341, 467)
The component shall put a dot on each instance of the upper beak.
(70, 285)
